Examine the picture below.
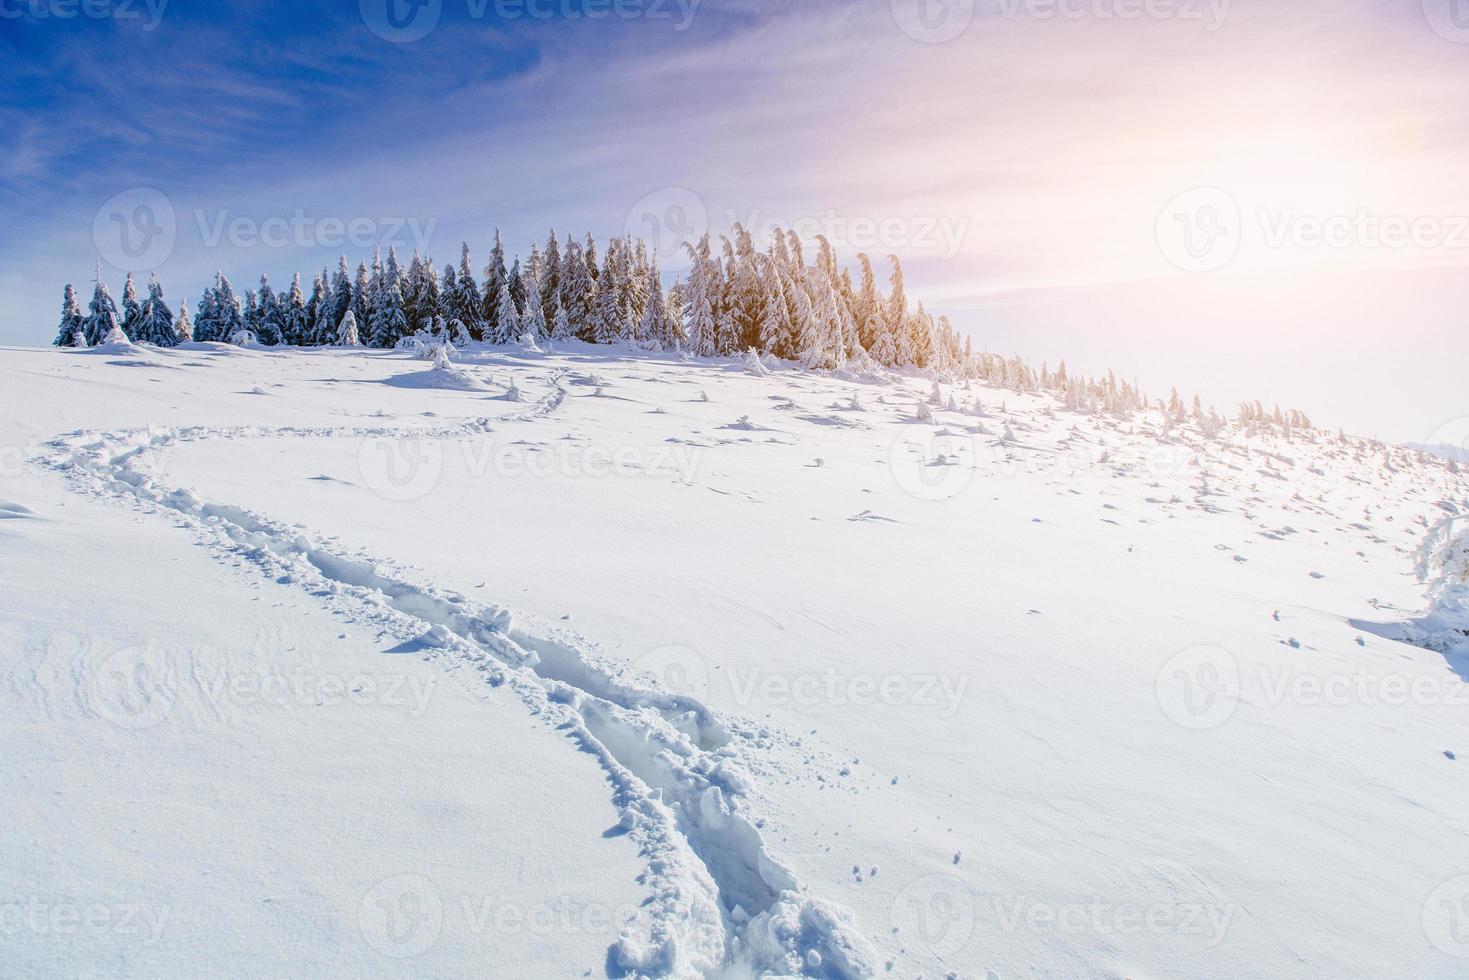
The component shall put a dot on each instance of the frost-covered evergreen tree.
(155, 321)
(347, 334)
(533, 320)
(183, 328)
(101, 320)
(657, 328)
(607, 310)
(431, 300)
(295, 327)
(448, 292)
(578, 291)
(466, 303)
(507, 320)
(319, 310)
(698, 313)
(268, 325)
(132, 310)
(589, 256)
(228, 320)
(896, 318)
(495, 279)
(561, 329)
(777, 332)
(516, 284)
(361, 296)
(69, 333)
(389, 323)
(920, 332)
(341, 289)
(867, 306)
(413, 296)
(551, 273)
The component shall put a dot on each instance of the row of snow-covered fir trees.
(740, 298)
(773, 302)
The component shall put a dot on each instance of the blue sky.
(1022, 156)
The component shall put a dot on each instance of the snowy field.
(598, 665)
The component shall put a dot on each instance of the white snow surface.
(612, 664)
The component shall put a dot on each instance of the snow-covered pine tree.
(270, 323)
(578, 291)
(204, 322)
(389, 323)
(607, 309)
(533, 320)
(897, 319)
(867, 304)
(101, 318)
(319, 310)
(516, 284)
(361, 296)
(589, 256)
(656, 328)
(551, 274)
(698, 313)
(69, 332)
(561, 328)
(413, 290)
(294, 325)
(341, 287)
(430, 297)
(132, 310)
(347, 333)
(228, 320)
(467, 304)
(495, 280)
(449, 293)
(155, 322)
(674, 304)
(920, 331)
(809, 330)
(507, 319)
(183, 328)
(393, 271)
(777, 335)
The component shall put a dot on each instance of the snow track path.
(718, 898)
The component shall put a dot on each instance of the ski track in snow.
(718, 898)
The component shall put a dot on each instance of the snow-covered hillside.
(598, 664)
